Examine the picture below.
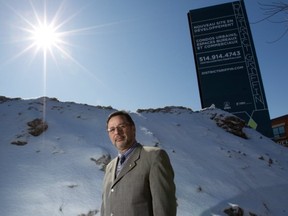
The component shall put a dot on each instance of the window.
(279, 131)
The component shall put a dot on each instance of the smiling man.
(140, 180)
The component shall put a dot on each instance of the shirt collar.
(127, 153)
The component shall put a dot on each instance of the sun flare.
(43, 31)
(45, 36)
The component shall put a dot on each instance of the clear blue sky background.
(126, 54)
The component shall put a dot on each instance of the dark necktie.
(122, 159)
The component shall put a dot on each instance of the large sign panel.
(227, 68)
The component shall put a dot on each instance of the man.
(140, 181)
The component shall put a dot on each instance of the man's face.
(121, 133)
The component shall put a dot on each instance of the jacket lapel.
(112, 170)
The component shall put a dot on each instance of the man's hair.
(121, 113)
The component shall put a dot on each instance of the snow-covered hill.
(60, 171)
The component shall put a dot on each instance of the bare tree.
(276, 12)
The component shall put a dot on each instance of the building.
(280, 130)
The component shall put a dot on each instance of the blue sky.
(126, 54)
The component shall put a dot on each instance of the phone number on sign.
(220, 56)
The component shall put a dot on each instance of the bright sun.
(45, 37)
(44, 34)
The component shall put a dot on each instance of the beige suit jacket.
(144, 187)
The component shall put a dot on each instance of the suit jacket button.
(112, 190)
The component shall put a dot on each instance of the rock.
(234, 211)
(19, 142)
(37, 127)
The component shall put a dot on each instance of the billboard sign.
(226, 63)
